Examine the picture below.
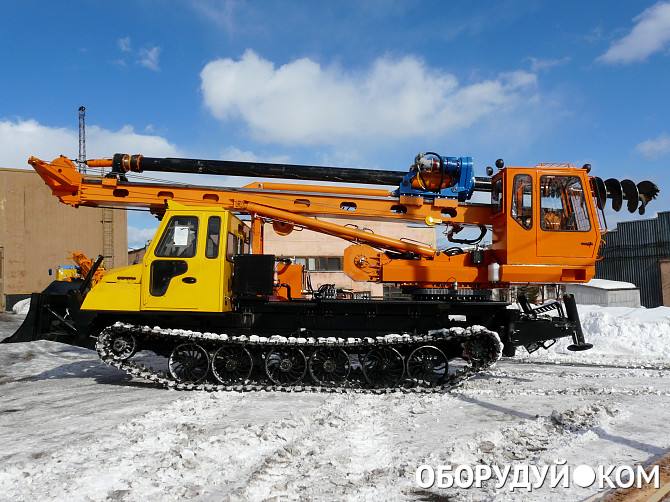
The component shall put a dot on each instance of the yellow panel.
(119, 289)
(113, 296)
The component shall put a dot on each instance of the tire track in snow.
(537, 441)
(223, 445)
(585, 391)
(182, 450)
(348, 451)
(532, 380)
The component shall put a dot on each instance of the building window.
(319, 263)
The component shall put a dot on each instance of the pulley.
(282, 228)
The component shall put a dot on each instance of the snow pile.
(620, 335)
(22, 307)
(534, 441)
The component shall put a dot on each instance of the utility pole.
(82, 140)
(107, 213)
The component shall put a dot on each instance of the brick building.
(37, 231)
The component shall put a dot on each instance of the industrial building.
(605, 293)
(639, 252)
(37, 231)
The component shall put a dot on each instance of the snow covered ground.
(72, 428)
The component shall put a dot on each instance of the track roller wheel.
(231, 365)
(123, 346)
(285, 366)
(189, 363)
(383, 367)
(475, 351)
(428, 364)
(329, 366)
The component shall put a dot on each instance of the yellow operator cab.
(187, 267)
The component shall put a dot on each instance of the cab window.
(231, 247)
(563, 204)
(213, 236)
(180, 238)
(162, 273)
(246, 239)
(522, 200)
(497, 195)
(235, 245)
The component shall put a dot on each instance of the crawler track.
(392, 363)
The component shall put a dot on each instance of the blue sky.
(360, 84)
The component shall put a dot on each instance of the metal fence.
(632, 254)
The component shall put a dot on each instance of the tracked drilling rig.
(224, 315)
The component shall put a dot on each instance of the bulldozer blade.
(600, 192)
(615, 193)
(35, 325)
(647, 191)
(48, 317)
(630, 194)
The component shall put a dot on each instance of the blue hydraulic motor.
(433, 175)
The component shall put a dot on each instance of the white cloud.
(138, 237)
(656, 148)
(100, 142)
(304, 103)
(148, 57)
(537, 64)
(221, 12)
(650, 34)
(124, 44)
(234, 153)
(24, 138)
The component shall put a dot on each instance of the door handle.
(587, 243)
(189, 280)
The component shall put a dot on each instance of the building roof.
(606, 284)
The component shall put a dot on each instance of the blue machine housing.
(460, 168)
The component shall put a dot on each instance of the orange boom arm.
(544, 220)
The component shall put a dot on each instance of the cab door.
(182, 270)
(567, 227)
(236, 242)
